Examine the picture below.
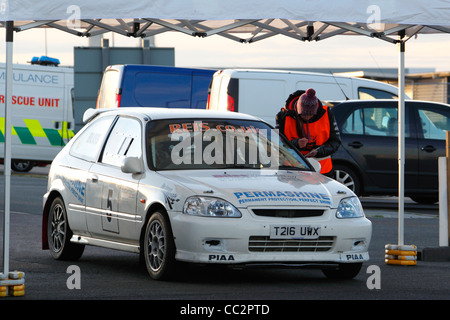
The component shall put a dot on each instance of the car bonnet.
(261, 188)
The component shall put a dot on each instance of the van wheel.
(59, 234)
(159, 247)
(21, 165)
(348, 178)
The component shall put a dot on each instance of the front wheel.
(59, 234)
(344, 271)
(159, 247)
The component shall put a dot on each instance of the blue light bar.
(45, 61)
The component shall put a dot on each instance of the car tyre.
(348, 178)
(344, 271)
(425, 199)
(59, 234)
(159, 247)
(21, 165)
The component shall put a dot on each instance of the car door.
(433, 120)
(370, 135)
(85, 151)
(112, 194)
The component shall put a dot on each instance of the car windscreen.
(185, 144)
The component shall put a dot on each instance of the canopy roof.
(243, 21)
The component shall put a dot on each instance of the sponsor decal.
(76, 187)
(221, 257)
(169, 196)
(282, 196)
(353, 256)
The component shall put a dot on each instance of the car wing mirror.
(316, 164)
(132, 165)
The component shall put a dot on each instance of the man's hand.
(302, 142)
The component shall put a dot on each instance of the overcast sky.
(425, 51)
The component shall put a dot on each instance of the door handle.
(428, 148)
(355, 144)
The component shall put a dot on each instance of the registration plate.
(294, 232)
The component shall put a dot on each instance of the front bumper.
(246, 240)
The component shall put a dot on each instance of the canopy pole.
(7, 146)
(401, 140)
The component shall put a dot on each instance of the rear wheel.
(425, 199)
(59, 234)
(159, 247)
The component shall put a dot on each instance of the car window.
(218, 144)
(434, 123)
(377, 121)
(370, 93)
(123, 141)
(88, 144)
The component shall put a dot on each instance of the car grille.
(265, 244)
(288, 213)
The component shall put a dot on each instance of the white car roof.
(168, 113)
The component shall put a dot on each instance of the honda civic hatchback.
(367, 161)
(200, 187)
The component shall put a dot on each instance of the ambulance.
(42, 112)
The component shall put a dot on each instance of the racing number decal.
(109, 205)
(109, 220)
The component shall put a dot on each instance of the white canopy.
(241, 20)
(408, 12)
(299, 19)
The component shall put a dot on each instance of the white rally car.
(199, 186)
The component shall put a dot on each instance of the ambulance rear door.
(42, 113)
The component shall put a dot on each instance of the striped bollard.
(12, 284)
(404, 255)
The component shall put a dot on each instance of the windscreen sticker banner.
(283, 196)
(199, 126)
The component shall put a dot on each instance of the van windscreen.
(109, 89)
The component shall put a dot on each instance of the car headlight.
(350, 208)
(210, 207)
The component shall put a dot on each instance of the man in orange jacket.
(313, 130)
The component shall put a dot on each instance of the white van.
(263, 93)
(42, 113)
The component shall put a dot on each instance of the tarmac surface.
(114, 275)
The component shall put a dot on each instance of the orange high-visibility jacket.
(317, 132)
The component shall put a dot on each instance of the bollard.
(404, 255)
(12, 284)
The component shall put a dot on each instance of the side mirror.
(132, 165)
(316, 164)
